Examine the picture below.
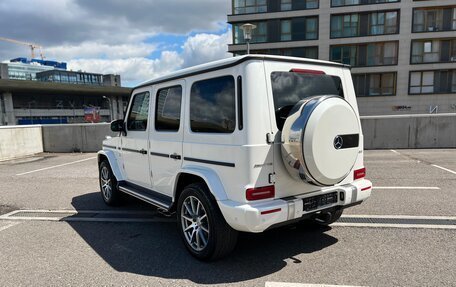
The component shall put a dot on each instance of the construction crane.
(31, 46)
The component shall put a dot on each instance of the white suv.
(242, 144)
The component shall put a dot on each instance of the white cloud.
(198, 49)
(108, 36)
(132, 70)
(203, 48)
(94, 50)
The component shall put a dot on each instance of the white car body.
(157, 164)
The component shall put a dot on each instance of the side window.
(137, 118)
(168, 109)
(212, 106)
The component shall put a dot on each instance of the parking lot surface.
(56, 230)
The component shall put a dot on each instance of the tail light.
(359, 173)
(258, 193)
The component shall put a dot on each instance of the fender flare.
(112, 162)
(211, 179)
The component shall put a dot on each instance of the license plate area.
(315, 202)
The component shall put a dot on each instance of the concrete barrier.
(20, 141)
(380, 132)
(409, 131)
(75, 137)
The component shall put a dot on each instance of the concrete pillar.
(114, 108)
(10, 119)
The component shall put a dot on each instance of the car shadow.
(155, 248)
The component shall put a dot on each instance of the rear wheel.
(108, 184)
(204, 231)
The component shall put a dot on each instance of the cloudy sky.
(138, 39)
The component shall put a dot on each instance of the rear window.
(288, 88)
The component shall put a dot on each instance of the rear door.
(134, 143)
(287, 85)
(166, 135)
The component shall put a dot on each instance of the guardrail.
(380, 132)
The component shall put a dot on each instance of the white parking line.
(398, 216)
(445, 169)
(392, 225)
(406, 187)
(8, 226)
(286, 284)
(55, 166)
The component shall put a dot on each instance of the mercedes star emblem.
(338, 142)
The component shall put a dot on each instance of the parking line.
(8, 226)
(287, 284)
(55, 166)
(443, 168)
(407, 187)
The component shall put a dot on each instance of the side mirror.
(117, 126)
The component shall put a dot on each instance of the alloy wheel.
(195, 223)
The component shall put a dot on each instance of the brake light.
(359, 173)
(260, 192)
(305, 71)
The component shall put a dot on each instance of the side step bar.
(152, 197)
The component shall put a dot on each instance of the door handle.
(175, 156)
(143, 151)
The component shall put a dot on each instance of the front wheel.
(108, 184)
(203, 229)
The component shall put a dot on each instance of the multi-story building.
(44, 92)
(402, 52)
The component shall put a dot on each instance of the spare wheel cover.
(329, 130)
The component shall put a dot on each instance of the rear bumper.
(259, 216)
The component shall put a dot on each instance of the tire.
(108, 184)
(203, 229)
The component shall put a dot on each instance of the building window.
(382, 54)
(285, 5)
(212, 105)
(312, 4)
(379, 84)
(311, 28)
(433, 51)
(338, 3)
(250, 6)
(421, 82)
(383, 23)
(285, 30)
(259, 34)
(344, 54)
(344, 25)
(362, 55)
(432, 20)
(168, 109)
(433, 82)
(453, 82)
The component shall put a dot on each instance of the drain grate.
(100, 216)
(37, 214)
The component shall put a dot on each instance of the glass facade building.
(402, 52)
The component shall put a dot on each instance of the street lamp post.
(247, 28)
(109, 101)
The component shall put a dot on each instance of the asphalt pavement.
(136, 246)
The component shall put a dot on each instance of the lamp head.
(248, 28)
